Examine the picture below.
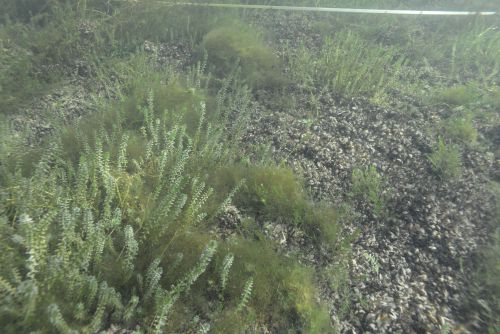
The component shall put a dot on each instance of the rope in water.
(333, 10)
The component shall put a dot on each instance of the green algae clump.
(238, 45)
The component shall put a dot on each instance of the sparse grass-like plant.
(445, 160)
(348, 65)
(475, 54)
(367, 184)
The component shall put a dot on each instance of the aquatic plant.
(460, 95)
(46, 44)
(98, 229)
(445, 160)
(348, 65)
(236, 44)
(15, 62)
(112, 231)
(108, 224)
(367, 184)
(475, 53)
(483, 292)
(277, 194)
(461, 129)
(283, 294)
(493, 97)
(99, 245)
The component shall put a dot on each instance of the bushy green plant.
(445, 160)
(493, 98)
(460, 95)
(274, 192)
(277, 194)
(284, 296)
(461, 129)
(98, 227)
(367, 184)
(235, 44)
(107, 228)
(107, 215)
(174, 99)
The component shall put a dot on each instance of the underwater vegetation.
(445, 160)
(271, 193)
(485, 283)
(113, 218)
(238, 45)
(114, 229)
(284, 292)
(349, 65)
(457, 95)
(367, 184)
(493, 97)
(461, 129)
(128, 185)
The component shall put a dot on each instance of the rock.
(229, 221)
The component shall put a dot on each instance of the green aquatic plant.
(85, 219)
(226, 267)
(367, 184)
(475, 53)
(493, 97)
(41, 47)
(100, 244)
(245, 295)
(277, 194)
(460, 95)
(15, 62)
(283, 293)
(483, 291)
(91, 239)
(348, 65)
(337, 278)
(48, 44)
(236, 44)
(174, 99)
(108, 227)
(488, 275)
(461, 129)
(445, 160)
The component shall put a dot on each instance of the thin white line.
(339, 10)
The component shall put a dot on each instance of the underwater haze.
(214, 167)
